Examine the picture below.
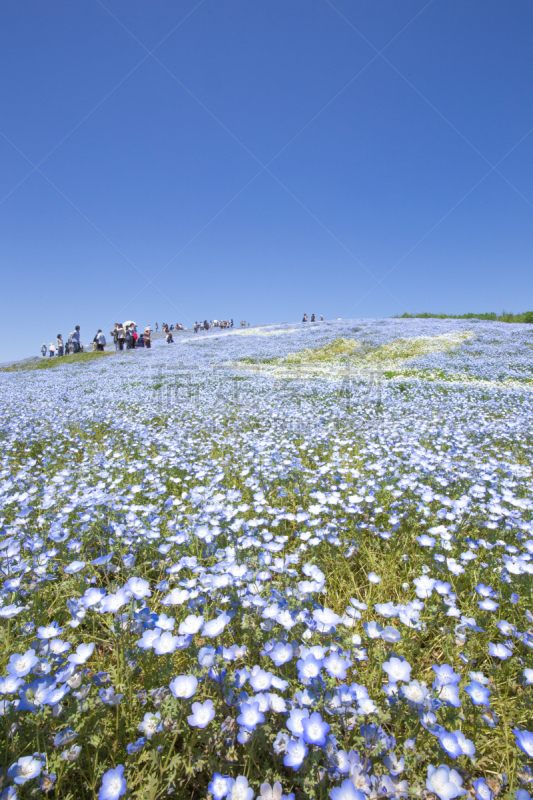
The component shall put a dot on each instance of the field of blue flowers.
(292, 561)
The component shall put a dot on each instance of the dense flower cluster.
(229, 583)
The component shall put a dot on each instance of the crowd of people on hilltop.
(124, 336)
(313, 318)
(213, 323)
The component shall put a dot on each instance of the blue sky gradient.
(256, 159)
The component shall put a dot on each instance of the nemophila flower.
(55, 694)
(191, 624)
(390, 635)
(73, 567)
(215, 626)
(151, 724)
(21, 665)
(113, 784)
(446, 783)
(176, 597)
(146, 642)
(268, 792)
(326, 620)
(219, 786)
(165, 622)
(488, 604)
(206, 656)
(346, 791)
(277, 703)
(394, 764)
(308, 668)
(108, 696)
(528, 675)
(415, 693)
(450, 743)
(49, 631)
(183, 686)
(448, 694)
(136, 747)
(524, 740)
(263, 700)
(336, 666)
(34, 694)
(296, 752)
(444, 675)
(294, 722)
(483, 792)
(506, 628)
(25, 769)
(239, 789)
(315, 729)
(286, 619)
(92, 597)
(72, 754)
(281, 654)
(387, 610)
(425, 540)
(521, 794)
(424, 586)
(166, 643)
(250, 716)
(485, 591)
(10, 611)
(112, 603)
(366, 706)
(202, 714)
(82, 654)
(10, 684)
(398, 669)
(373, 578)
(499, 651)
(67, 736)
(373, 629)
(260, 681)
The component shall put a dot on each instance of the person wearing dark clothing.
(76, 339)
(114, 334)
(170, 340)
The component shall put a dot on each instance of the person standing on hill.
(100, 340)
(76, 339)
(52, 350)
(43, 350)
(114, 334)
(147, 340)
(121, 336)
(59, 345)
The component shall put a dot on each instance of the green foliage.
(52, 363)
(526, 316)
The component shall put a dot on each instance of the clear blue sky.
(269, 157)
